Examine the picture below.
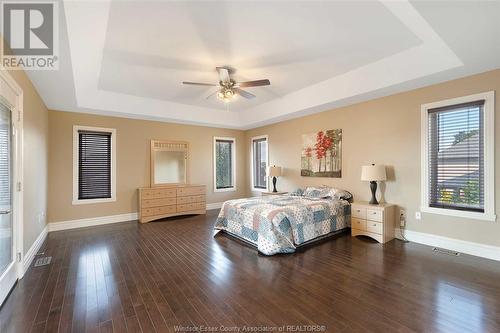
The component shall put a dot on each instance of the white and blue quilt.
(278, 224)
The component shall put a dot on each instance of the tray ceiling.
(318, 55)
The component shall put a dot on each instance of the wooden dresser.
(375, 221)
(160, 202)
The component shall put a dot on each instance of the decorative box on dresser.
(375, 221)
(160, 202)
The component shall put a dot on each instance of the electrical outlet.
(418, 215)
(402, 217)
(41, 218)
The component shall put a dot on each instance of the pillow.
(339, 194)
(297, 193)
(317, 192)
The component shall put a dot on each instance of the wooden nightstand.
(273, 193)
(375, 221)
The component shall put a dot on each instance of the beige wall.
(35, 137)
(386, 131)
(133, 153)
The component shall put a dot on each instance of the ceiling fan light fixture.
(228, 88)
(226, 94)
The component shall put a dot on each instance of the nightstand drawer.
(375, 227)
(358, 212)
(358, 224)
(375, 215)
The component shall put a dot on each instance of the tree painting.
(322, 154)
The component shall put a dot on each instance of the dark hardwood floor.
(149, 278)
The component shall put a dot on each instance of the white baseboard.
(215, 205)
(475, 249)
(35, 247)
(90, 222)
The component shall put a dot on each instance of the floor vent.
(43, 261)
(445, 251)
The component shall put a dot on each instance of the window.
(458, 157)
(94, 167)
(5, 159)
(259, 163)
(224, 164)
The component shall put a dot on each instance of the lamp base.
(373, 188)
(274, 184)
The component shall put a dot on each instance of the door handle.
(3, 212)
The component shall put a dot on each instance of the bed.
(281, 223)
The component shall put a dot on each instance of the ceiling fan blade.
(244, 93)
(255, 83)
(223, 74)
(200, 84)
(212, 94)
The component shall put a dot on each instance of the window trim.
(233, 166)
(489, 157)
(76, 129)
(12, 95)
(258, 189)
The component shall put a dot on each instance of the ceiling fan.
(228, 88)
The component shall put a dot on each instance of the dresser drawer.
(183, 208)
(164, 193)
(152, 211)
(375, 227)
(149, 211)
(358, 212)
(147, 194)
(375, 215)
(188, 191)
(190, 199)
(358, 224)
(146, 203)
(191, 207)
(158, 193)
(166, 210)
(199, 205)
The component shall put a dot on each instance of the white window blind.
(456, 156)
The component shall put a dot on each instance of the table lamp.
(373, 173)
(274, 171)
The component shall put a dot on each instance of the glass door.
(7, 261)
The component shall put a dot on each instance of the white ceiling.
(129, 58)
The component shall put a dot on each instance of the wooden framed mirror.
(169, 163)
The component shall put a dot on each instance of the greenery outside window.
(224, 164)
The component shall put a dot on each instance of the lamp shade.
(274, 171)
(373, 172)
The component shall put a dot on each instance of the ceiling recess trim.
(371, 80)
